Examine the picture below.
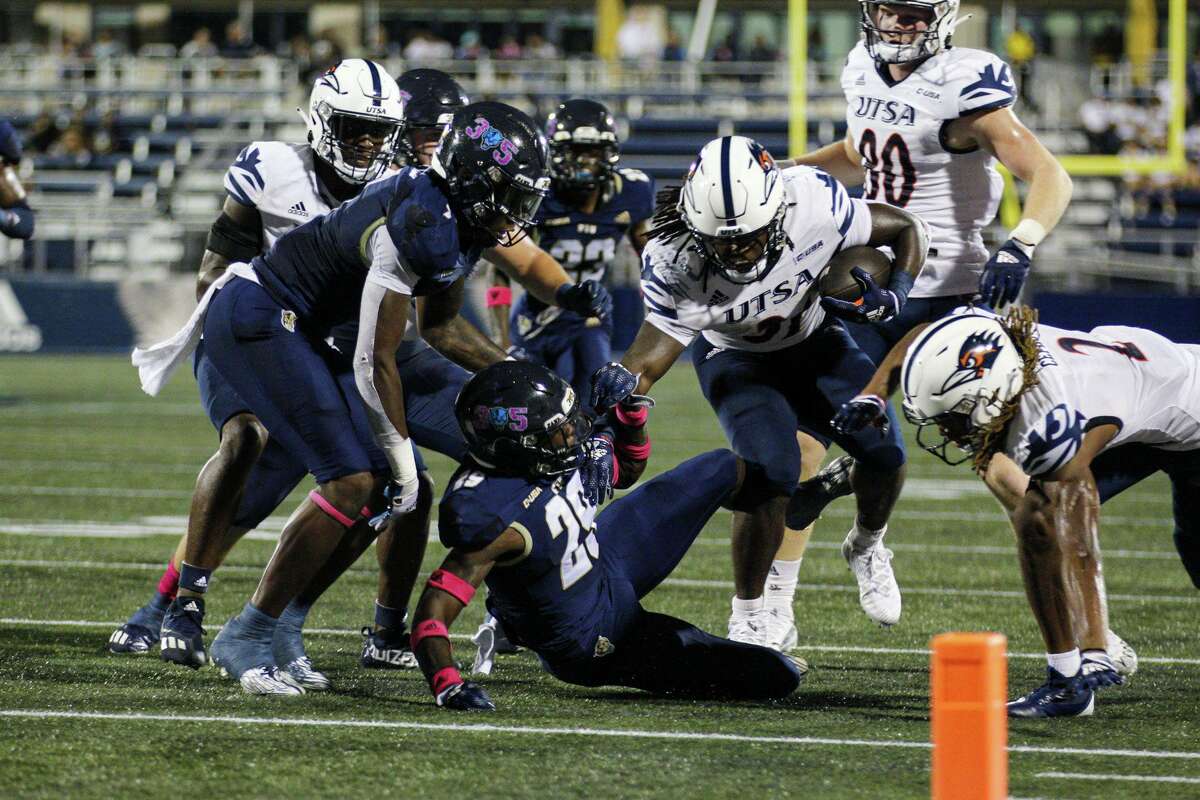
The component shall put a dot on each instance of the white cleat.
(781, 631)
(302, 672)
(750, 628)
(801, 665)
(1121, 654)
(268, 681)
(878, 593)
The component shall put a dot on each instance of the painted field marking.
(816, 648)
(1084, 776)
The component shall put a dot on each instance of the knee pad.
(887, 457)
(761, 485)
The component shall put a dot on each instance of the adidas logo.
(718, 297)
(298, 209)
(201, 582)
(1006, 258)
(862, 79)
(192, 607)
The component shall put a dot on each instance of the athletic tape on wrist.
(329, 508)
(498, 296)
(426, 628)
(1029, 232)
(451, 584)
(443, 679)
(632, 418)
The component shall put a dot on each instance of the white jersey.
(280, 181)
(1140, 381)
(898, 130)
(684, 299)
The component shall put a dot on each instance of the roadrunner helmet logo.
(975, 358)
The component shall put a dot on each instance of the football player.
(1085, 416)
(414, 234)
(566, 582)
(732, 266)
(430, 99)
(926, 124)
(16, 217)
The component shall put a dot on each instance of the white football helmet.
(354, 119)
(732, 203)
(931, 41)
(958, 375)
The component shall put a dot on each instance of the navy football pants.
(569, 348)
(643, 536)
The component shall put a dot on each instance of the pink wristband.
(498, 296)
(637, 452)
(443, 679)
(451, 584)
(634, 418)
(426, 628)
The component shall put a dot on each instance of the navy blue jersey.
(401, 226)
(556, 594)
(585, 244)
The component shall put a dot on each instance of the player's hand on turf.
(596, 472)
(875, 305)
(612, 384)
(401, 498)
(1005, 273)
(863, 410)
(587, 299)
(465, 696)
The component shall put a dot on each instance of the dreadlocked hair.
(667, 222)
(1021, 326)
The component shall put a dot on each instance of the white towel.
(156, 363)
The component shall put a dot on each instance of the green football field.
(95, 480)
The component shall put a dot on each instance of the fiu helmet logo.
(501, 146)
(500, 417)
(975, 358)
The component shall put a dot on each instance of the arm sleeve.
(17, 222)
(661, 311)
(988, 85)
(244, 179)
(387, 269)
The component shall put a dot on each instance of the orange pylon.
(968, 723)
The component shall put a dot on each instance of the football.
(837, 281)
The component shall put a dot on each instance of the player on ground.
(354, 116)
(574, 599)
(16, 217)
(732, 265)
(926, 124)
(1085, 416)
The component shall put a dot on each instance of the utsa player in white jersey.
(1085, 416)
(732, 266)
(353, 117)
(926, 124)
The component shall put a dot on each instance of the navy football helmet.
(584, 147)
(494, 160)
(522, 419)
(430, 99)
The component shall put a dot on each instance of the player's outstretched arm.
(869, 406)
(840, 159)
(544, 278)
(448, 591)
(908, 236)
(235, 236)
(452, 335)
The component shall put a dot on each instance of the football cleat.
(801, 665)
(302, 672)
(181, 639)
(749, 628)
(466, 696)
(1059, 696)
(811, 496)
(390, 652)
(781, 631)
(878, 593)
(490, 641)
(267, 680)
(1121, 654)
(246, 656)
(131, 638)
(1098, 670)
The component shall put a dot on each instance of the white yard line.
(1085, 776)
(805, 647)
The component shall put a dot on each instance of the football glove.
(10, 143)
(465, 696)
(1005, 273)
(587, 299)
(1098, 670)
(401, 498)
(875, 305)
(517, 353)
(596, 472)
(612, 384)
(863, 410)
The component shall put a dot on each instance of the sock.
(1066, 664)
(168, 584)
(194, 579)
(256, 623)
(781, 584)
(294, 615)
(390, 619)
(743, 608)
(288, 645)
(864, 538)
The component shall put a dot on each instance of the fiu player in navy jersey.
(566, 582)
(592, 206)
(16, 217)
(353, 118)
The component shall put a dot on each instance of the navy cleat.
(1059, 696)
(181, 640)
(467, 696)
(1098, 670)
(140, 632)
(811, 496)
(391, 650)
(245, 654)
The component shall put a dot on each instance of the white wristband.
(1029, 231)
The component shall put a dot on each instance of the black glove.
(596, 472)
(875, 305)
(587, 299)
(864, 410)
(465, 696)
(1005, 273)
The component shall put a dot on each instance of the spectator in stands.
(380, 46)
(199, 46)
(1021, 50)
(469, 46)
(74, 144)
(238, 43)
(1097, 116)
(509, 49)
(727, 50)
(107, 46)
(761, 50)
(538, 48)
(326, 52)
(44, 132)
(16, 217)
(424, 48)
(673, 50)
(106, 139)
